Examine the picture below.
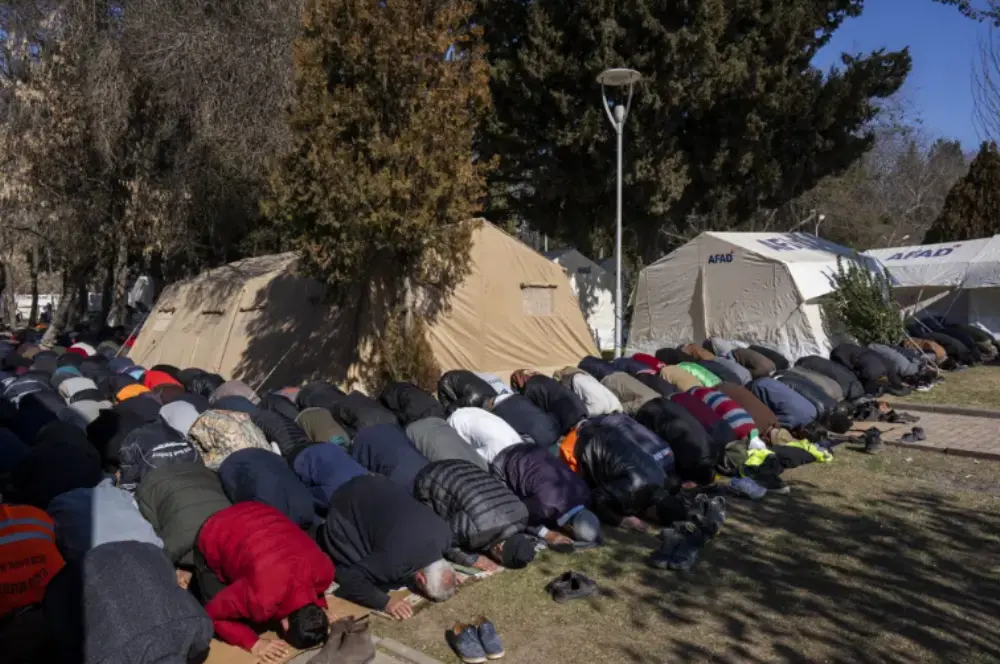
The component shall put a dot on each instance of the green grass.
(890, 558)
(975, 387)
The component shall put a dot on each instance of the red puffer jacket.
(269, 565)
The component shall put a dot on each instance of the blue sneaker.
(490, 639)
(464, 639)
(685, 555)
(746, 487)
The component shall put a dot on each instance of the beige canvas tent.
(259, 319)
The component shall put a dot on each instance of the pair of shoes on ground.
(872, 440)
(681, 543)
(916, 435)
(571, 585)
(476, 642)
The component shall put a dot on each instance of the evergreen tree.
(972, 208)
(730, 118)
(863, 305)
(382, 171)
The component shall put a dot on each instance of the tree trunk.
(82, 301)
(33, 271)
(107, 290)
(120, 284)
(61, 316)
(9, 298)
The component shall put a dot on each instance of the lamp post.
(618, 78)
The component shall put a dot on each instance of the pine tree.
(382, 172)
(730, 117)
(972, 208)
(863, 304)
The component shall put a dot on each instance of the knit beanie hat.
(518, 551)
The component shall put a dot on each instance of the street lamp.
(618, 78)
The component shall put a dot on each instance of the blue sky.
(944, 47)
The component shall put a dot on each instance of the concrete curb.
(397, 649)
(945, 409)
(924, 447)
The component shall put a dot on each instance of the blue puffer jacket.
(261, 475)
(324, 468)
(793, 409)
(385, 449)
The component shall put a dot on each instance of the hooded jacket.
(695, 454)
(759, 366)
(780, 361)
(437, 441)
(133, 611)
(410, 403)
(867, 365)
(527, 419)
(276, 402)
(177, 501)
(149, 447)
(324, 468)
(623, 478)
(384, 449)
(29, 558)
(629, 390)
(285, 434)
(478, 507)
(318, 395)
(646, 439)
(597, 398)
(87, 518)
(830, 387)
(673, 356)
(484, 431)
(218, 433)
(793, 409)
(320, 427)
(271, 566)
(848, 382)
(263, 476)
(720, 369)
(651, 362)
(546, 486)
(357, 411)
(463, 389)
(234, 388)
(553, 398)
(379, 535)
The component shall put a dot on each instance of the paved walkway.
(955, 434)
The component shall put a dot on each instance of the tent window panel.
(538, 300)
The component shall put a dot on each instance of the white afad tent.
(959, 281)
(595, 288)
(762, 288)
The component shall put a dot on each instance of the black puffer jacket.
(596, 367)
(956, 349)
(277, 403)
(205, 384)
(178, 500)
(873, 372)
(814, 394)
(528, 419)
(694, 452)
(318, 395)
(624, 479)
(410, 403)
(557, 400)
(283, 432)
(853, 389)
(780, 361)
(480, 509)
(357, 411)
(463, 389)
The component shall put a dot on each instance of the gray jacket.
(904, 365)
(135, 613)
(734, 366)
(86, 518)
(831, 387)
(630, 391)
(437, 441)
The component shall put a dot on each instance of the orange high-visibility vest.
(29, 557)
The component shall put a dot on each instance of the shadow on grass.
(876, 581)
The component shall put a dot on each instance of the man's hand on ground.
(270, 651)
(485, 564)
(557, 540)
(399, 609)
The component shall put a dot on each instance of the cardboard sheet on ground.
(223, 653)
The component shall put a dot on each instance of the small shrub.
(863, 304)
